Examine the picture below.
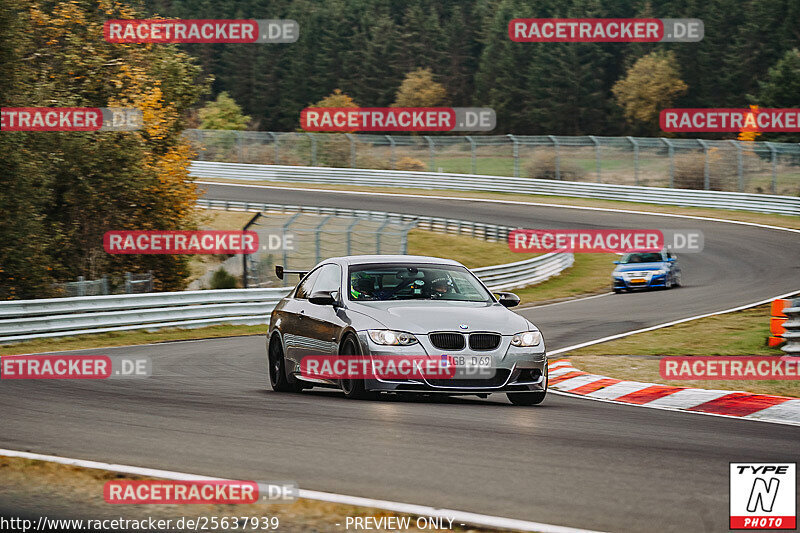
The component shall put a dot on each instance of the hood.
(421, 317)
(642, 266)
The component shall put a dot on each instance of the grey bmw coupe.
(390, 306)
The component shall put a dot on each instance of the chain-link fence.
(759, 167)
(300, 241)
(129, 284)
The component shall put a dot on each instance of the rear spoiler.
(279, 271)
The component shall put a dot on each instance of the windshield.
(415, 282)
(641, 258)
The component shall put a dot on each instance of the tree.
(60, 192)
(420, 90)
(781, 88)
(336, 99)
(223, 114)
(650, 85)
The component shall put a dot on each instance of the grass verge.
(28, 488)
(637, 357)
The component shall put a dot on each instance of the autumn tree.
(65, 190)
(420, 90)
(223, 114)
(650, 85)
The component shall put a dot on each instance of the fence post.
(128, 283)
(313, 148)
(352, 225)
(105, 284)
(774, 158)
(352, 150)
(275, 142)
(558, 156)
(739, 164)
(285, 254)
(596, 156)
(378, 233)
(706, 169)
(671, 151)
(635, 159)
(392, 155)
(317, 243)
(472, 154)
(515, 153)
(81, 287)
(240, 142)
(433, 152)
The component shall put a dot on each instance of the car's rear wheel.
(277, 370)
(354, 389)
(526, 398)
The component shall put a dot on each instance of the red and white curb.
(565, 378)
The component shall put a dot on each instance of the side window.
(304, 289)
(330, 279)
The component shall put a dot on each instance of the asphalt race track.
(208, 409)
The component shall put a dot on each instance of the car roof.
(373, 259)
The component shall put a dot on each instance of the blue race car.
(646, 270)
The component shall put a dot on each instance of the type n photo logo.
(763, 496)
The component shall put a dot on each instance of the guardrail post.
(313, 148)
(706, 170)
(352, 149)
(392, 154)
(596, 155)
(275, 142)
(671, 153)
(635, 159)
(378, 232)
(739, 164)
(558, 156)
(472, 154)
(515, 153)
(433, 152)
(774, 160)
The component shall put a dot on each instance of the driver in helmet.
(440, 287)
(362, 288)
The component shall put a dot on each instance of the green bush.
(222, 279)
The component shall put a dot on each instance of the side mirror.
(616, 262)
(671, 259)
(507, 299)
(322, 298)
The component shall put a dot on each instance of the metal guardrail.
(57, 317)
(760, 203)
(792, 326)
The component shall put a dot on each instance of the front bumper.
(516, 369)
(650, 282)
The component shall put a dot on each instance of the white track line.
(511, 202)
(459, 517)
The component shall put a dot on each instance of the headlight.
(660, 272)
(526, 338)
(388, 337)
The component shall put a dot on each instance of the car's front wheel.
(526, 398)
(354, 389)
(277, 370)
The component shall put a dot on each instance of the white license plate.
(470, 361)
